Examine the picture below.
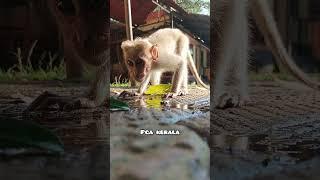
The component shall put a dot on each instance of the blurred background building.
(22, 22)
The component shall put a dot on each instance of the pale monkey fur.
(231, 48)
(166, 50)
(230, 52)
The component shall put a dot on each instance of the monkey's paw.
(128, 95)
(182, 92)
(227, 100)
(49, 100)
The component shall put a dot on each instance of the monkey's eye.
(139, 61)
(130, 63)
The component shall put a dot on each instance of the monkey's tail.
(194, 71)
(267, 25)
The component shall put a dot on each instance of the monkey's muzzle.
(140, 77)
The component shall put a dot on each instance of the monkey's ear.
(126, 44)
(154, 52)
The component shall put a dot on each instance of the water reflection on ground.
(264, 144)
(175, 111)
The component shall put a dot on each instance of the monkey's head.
(139, 55)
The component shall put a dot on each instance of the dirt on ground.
(276, 136)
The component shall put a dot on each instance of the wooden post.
(171, 15)
(195, 54)
(127, 9)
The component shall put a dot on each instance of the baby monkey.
(166, 50)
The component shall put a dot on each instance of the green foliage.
(27, 71)
(119, 82)
(195, 6)
(116, 105)
(118, 85)
(25, 134)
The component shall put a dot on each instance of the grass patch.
(281, 76)
(26, 71)
(120, 82)
(56, 73)
(316, 76)
(118, 85)
(270, 76)
(126, 84)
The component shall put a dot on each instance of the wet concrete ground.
(83, 132)
(276, 136)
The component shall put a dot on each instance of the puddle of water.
(175, 111)
(281, 153)
(157, 102)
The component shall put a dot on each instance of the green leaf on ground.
(25, 134)
(116, 105)
(158, 89)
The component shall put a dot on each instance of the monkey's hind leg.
(242, 69)
(184, 84)
(231, 81)
(182, 51)
(180, 78)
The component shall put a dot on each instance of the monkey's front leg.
(99, 89)
(141, 90)
(144, 84)
(97, 96)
